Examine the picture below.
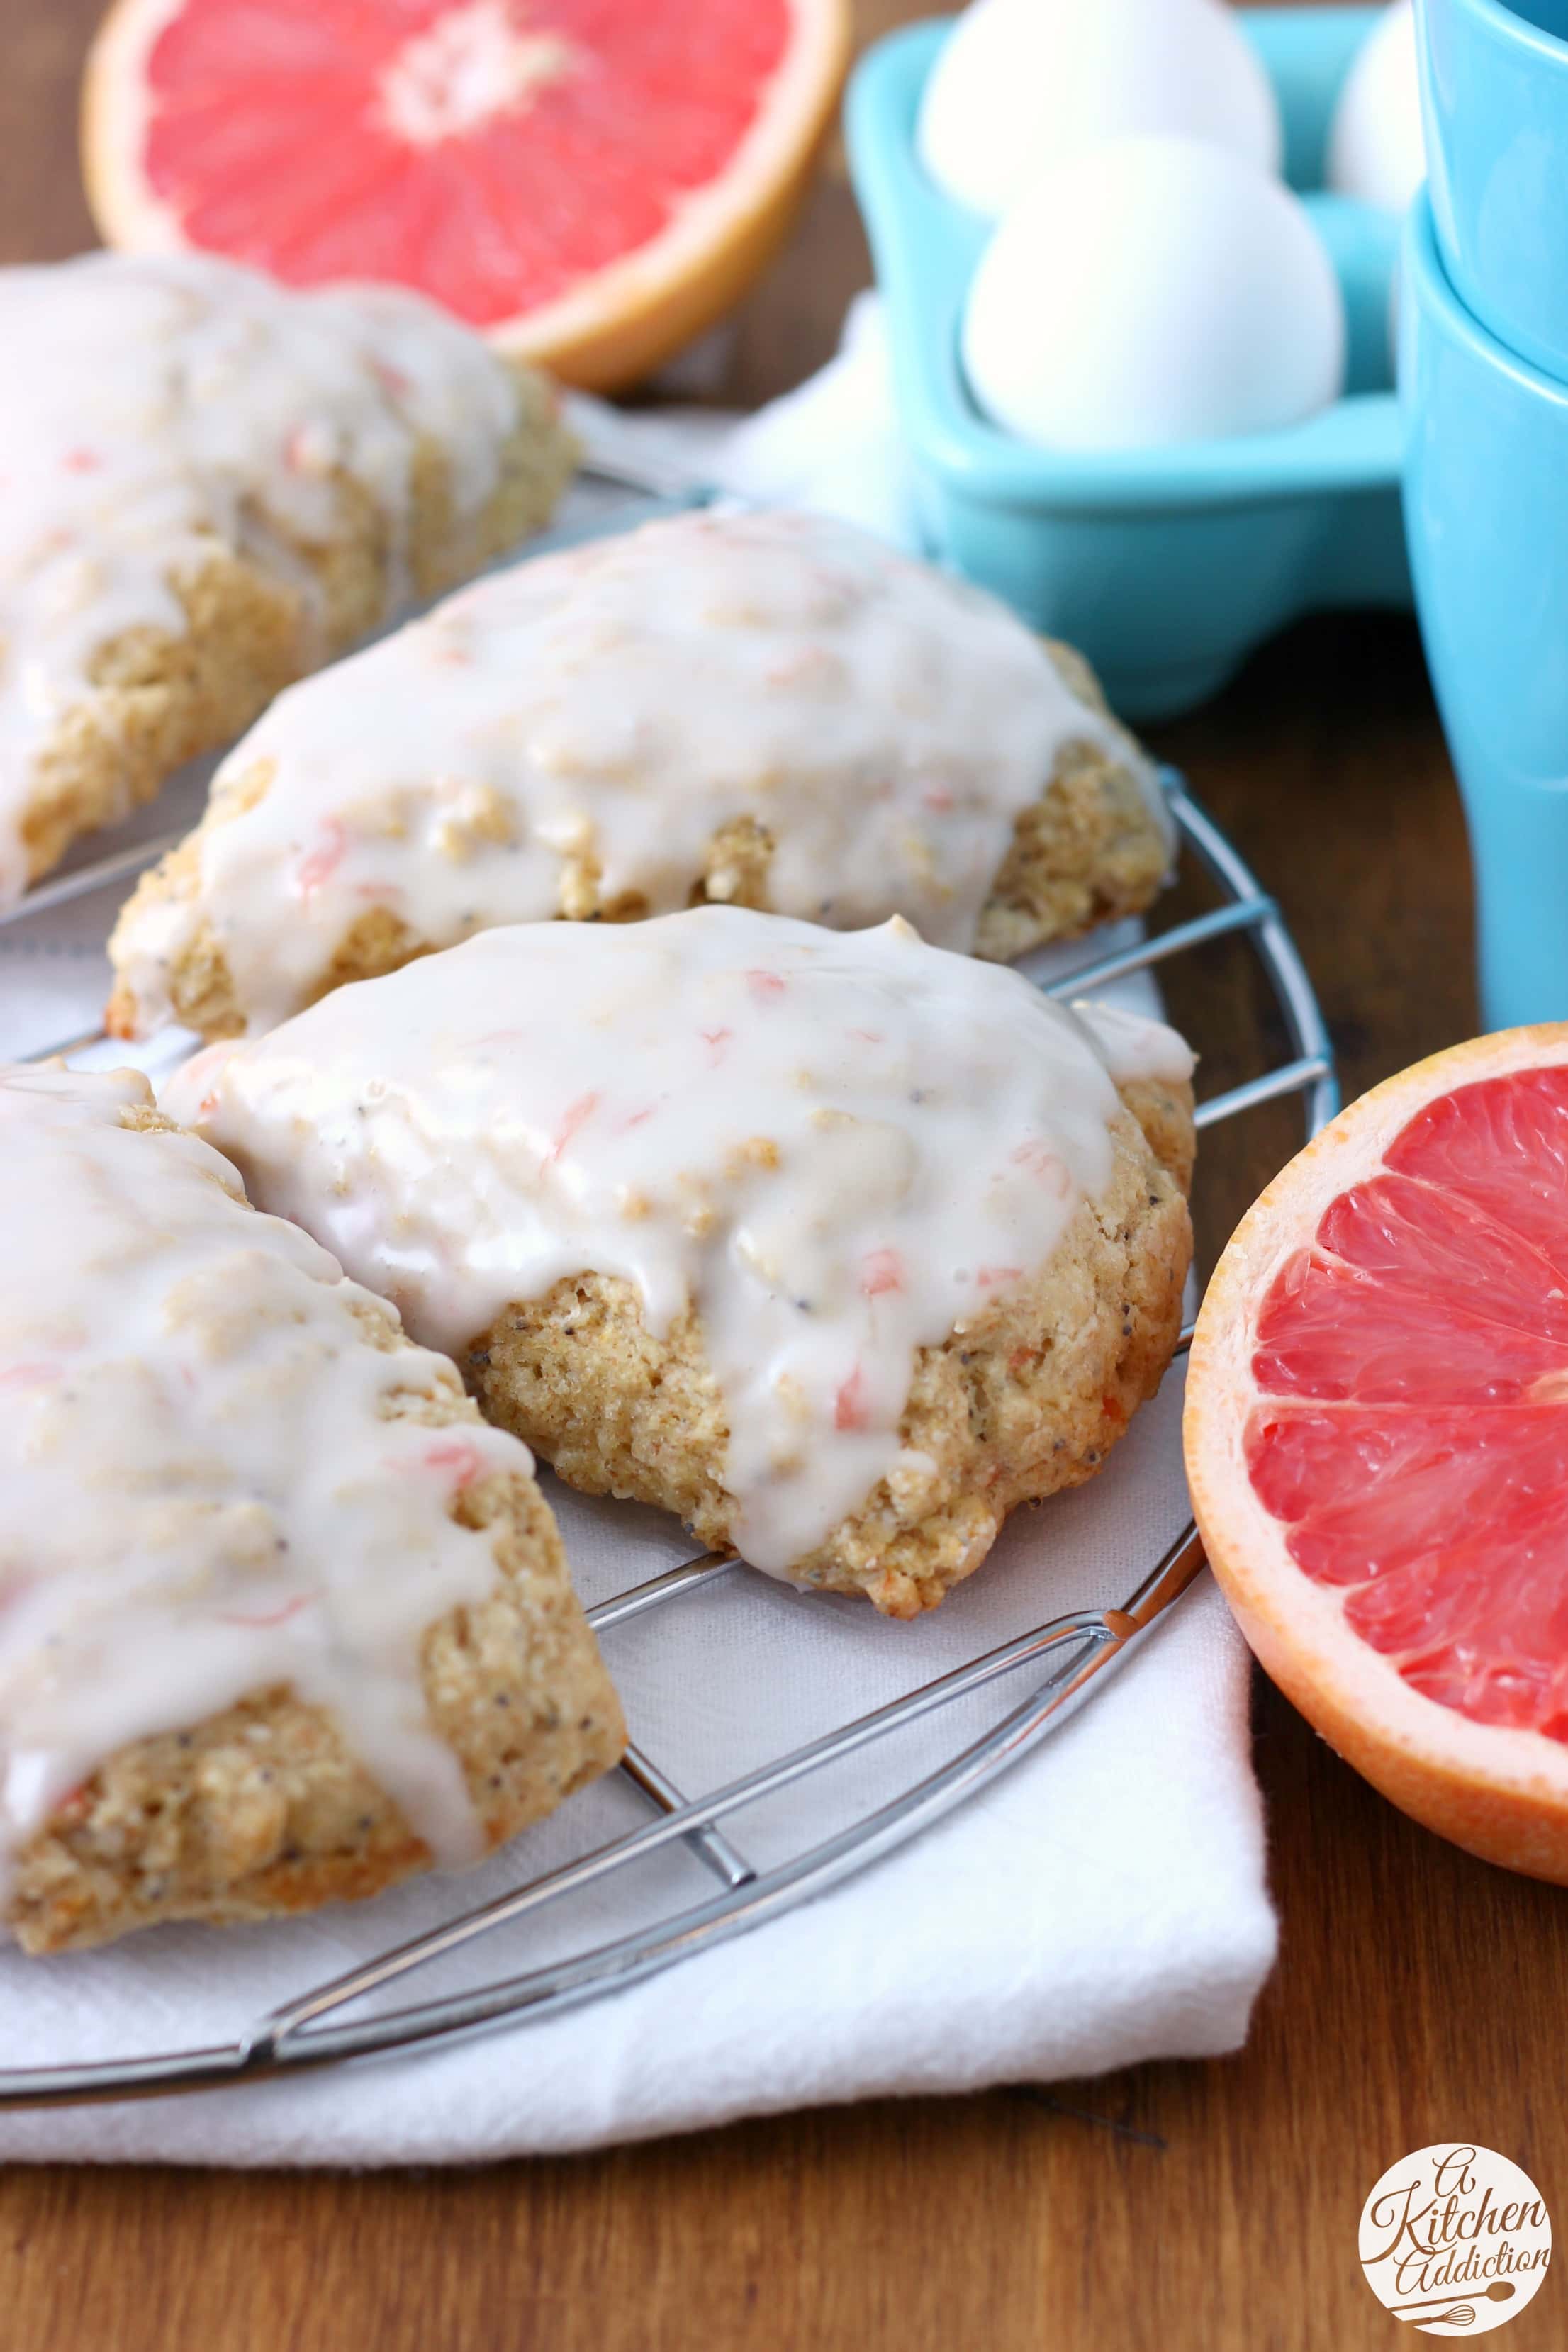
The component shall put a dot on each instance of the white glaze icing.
(200, 1497)
(617, 705)
(156, 406)
(837, 1146)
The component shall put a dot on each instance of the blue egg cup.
(1165, 567)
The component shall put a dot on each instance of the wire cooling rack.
(1076, 1652)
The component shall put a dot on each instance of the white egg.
(1020, 84)
(1376, 147)
(1148, 292)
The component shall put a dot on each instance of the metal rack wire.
(1076, 1651)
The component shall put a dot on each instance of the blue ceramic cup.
(1486, 509)
(1494, 100)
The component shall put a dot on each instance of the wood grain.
(1170, 2208)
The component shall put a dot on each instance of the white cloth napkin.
(831, 445)
(1103, 1903)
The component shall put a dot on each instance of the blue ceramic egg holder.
(1166, 567)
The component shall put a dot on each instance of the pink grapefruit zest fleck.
(263, 1619)
(716, 1041)
(298, 450)
(988, 1276)
(849, 1410)
(938, 800)
(1042, 1162)
(318, 867)
(82, 461)
(881, 1270)
(458, 1455)
(29, 1376)
(765, 985)
(578, 1115)
(391, 379)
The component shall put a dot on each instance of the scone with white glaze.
(838, 1245)
(281, 1620)
(212, 485)
(770, 710)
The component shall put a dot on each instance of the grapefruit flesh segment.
(314, 142)
(1411, 1432)
(569, 174)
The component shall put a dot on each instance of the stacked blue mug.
(1484, 378)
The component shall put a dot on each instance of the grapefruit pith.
(1377, 1440)
(592, 182)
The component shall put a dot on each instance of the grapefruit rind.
(1497, 1791)
(622, 322)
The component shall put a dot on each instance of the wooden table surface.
(1175, 2207)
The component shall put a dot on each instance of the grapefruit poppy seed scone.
(281, 1620)
(838, 1245)
(212, 485)
(772, 710)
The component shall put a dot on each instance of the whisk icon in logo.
(1454, 2239)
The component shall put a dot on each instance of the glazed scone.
(769, 710)
(211, 485)
(281, 1621)
(838, 1245)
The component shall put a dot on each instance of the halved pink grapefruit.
(592, 182)
(1377, 1440)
